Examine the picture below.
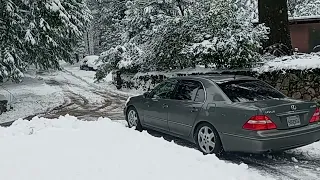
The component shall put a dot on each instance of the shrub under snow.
(167, 35)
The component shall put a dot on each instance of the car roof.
(218, 78)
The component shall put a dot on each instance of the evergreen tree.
(174, 34)
(11, 44)
(54, 27)
(106, 25)
(40, 33)
(304, 7)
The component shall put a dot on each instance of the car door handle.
(165, 106)
(194, 109)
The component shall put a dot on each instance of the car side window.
(164, 90)
(190, 90)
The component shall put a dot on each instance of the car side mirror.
(146, 95)
(155, 98)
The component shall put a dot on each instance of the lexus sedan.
(225, 113)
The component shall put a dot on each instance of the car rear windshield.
(249, 90)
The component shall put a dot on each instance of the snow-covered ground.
(89, 77)
(30, 97)
(67, 148)
(42, 92)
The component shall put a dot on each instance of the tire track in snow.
(79, 106)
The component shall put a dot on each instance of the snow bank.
(295, 62)
(66, 148)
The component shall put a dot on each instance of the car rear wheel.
(133, 119)
(208, 140)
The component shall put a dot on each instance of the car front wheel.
(208, 140)
(133, 119)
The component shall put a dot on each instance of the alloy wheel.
(132, 118)
(206, 139)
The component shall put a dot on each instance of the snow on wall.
(297, 76)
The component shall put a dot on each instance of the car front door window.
(187, 103)
(165, 90)
(190, 90)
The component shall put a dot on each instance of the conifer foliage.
(39, 32)
(176, 34)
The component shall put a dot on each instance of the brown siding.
(300, 36)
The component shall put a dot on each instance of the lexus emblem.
(293, 107)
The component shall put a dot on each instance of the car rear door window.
(249, 90)
(190, 90)
(165, 90)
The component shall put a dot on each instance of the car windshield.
(249, 90)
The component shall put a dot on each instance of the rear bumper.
(270, 144)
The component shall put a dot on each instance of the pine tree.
(178, 34)
(54, 27)
(106, 25)
(304, 7)
(40, 33)
(11, 45)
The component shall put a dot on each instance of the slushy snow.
(67, 148)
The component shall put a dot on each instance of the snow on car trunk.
(67, 148)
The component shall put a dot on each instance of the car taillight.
(259, 122)
(315, 116)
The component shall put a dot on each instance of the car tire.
(208, 139)
(133, 119)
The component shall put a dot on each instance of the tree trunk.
(274, 14)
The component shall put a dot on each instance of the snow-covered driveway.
(85, 100)
(51, 94)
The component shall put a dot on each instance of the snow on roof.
(296, 19)
(295, 62)
(305, 18)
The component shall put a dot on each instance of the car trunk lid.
(286, 113)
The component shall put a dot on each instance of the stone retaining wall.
(299, 84)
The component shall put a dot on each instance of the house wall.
(301, 36)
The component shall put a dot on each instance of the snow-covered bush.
(304, 7)
(118, 58)
(223, 36)
(176, 34)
